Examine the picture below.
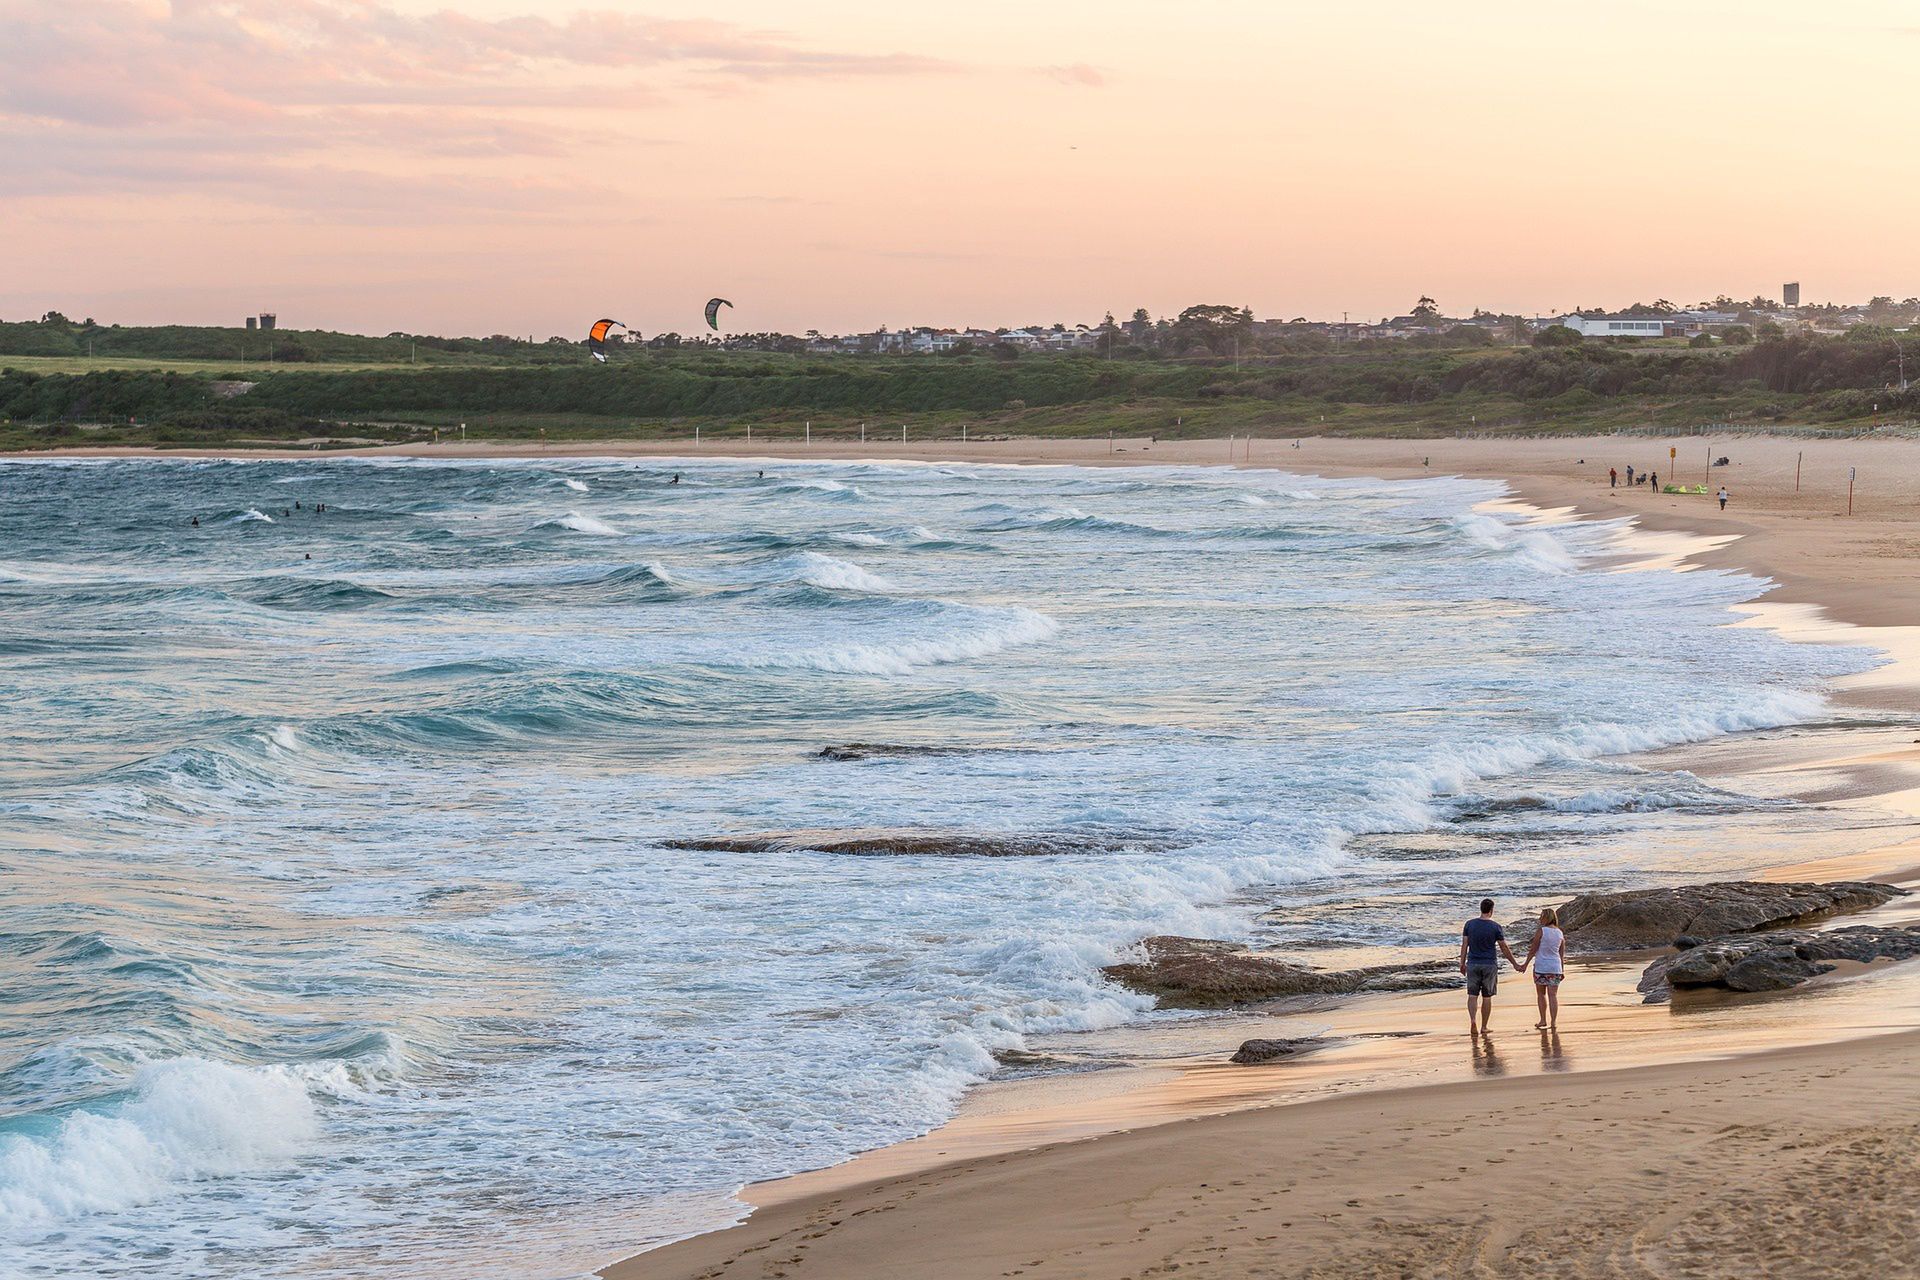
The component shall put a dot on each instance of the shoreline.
(1800, 537)
(1039, 1124)
(1104, 1124)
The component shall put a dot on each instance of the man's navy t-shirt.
(1482, 934)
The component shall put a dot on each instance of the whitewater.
(343, 935)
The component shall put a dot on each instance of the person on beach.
(1613, 477)
(1547, 955)
(1722, 495)
(1629, 475)
(1653, 481)
(1482, 943)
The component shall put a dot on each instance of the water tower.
(1790, 294)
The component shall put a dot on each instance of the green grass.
(239, 370)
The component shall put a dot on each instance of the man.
(1482, 943)
(1613, 477)
(1723, 497)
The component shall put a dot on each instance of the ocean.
(342, 931)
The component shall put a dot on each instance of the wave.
(252, 515)
(1678, 793)
(993, 630)
(180, 1120)
(1404, 796)
(1540, 550)
(304, 594)
(828, 573)
(833, 489)
(574, 522)
(800, 569)
(576, 485)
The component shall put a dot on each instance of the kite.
(713, 312)
(597, 338)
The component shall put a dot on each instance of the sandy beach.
(1736, 1136)
(1754, 1135)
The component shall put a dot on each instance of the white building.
(1615, 327)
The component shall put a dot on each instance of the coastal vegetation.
(513, 389)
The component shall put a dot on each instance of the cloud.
(242, 96)
(1080, 75)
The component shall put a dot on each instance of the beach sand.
(1728, 1137)
(1796, 1162)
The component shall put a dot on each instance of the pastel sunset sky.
(479, 166)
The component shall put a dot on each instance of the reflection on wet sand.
(1552, 1056)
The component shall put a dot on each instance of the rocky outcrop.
(1200, 973)
(912, 842)
(1776, 960)
(1254, 1052)
(1643, 918)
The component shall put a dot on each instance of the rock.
(1643, 918)
(1253, 1052)
(893, 750)
(1685, 942)
(1200, 973)
(908, 842)
(1776, 960)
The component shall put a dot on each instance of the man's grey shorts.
(1483, 979)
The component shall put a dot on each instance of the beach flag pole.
(1850, 474)
(903, 433)
(1796, 470)
(809, 431)
(963, 433)
(696, 435)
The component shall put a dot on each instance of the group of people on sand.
(1652, 480)
(1483, 942)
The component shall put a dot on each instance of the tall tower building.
(1790, 294)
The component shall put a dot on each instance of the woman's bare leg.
(1540, 997)
(1553, 1005)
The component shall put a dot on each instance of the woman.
(1548, 956)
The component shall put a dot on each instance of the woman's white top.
(1549, 958)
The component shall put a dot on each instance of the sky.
(526, 166)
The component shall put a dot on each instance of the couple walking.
(1483, 942)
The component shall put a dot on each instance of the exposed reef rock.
(1642, 918)
(1255, 1052)
(1200, 973)
(1776, 960)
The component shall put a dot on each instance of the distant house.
(1617, 326)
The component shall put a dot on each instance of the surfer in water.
(196, 522)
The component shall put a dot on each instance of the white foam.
(250, 515)
(577, 486)
(186, 1120)
(1537, 547)
(580, 524)
(994, 630)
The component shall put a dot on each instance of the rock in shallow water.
(1775, 961)
(1201, 973)
(1254, 1052)
(1644, 918)
(911, 842)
